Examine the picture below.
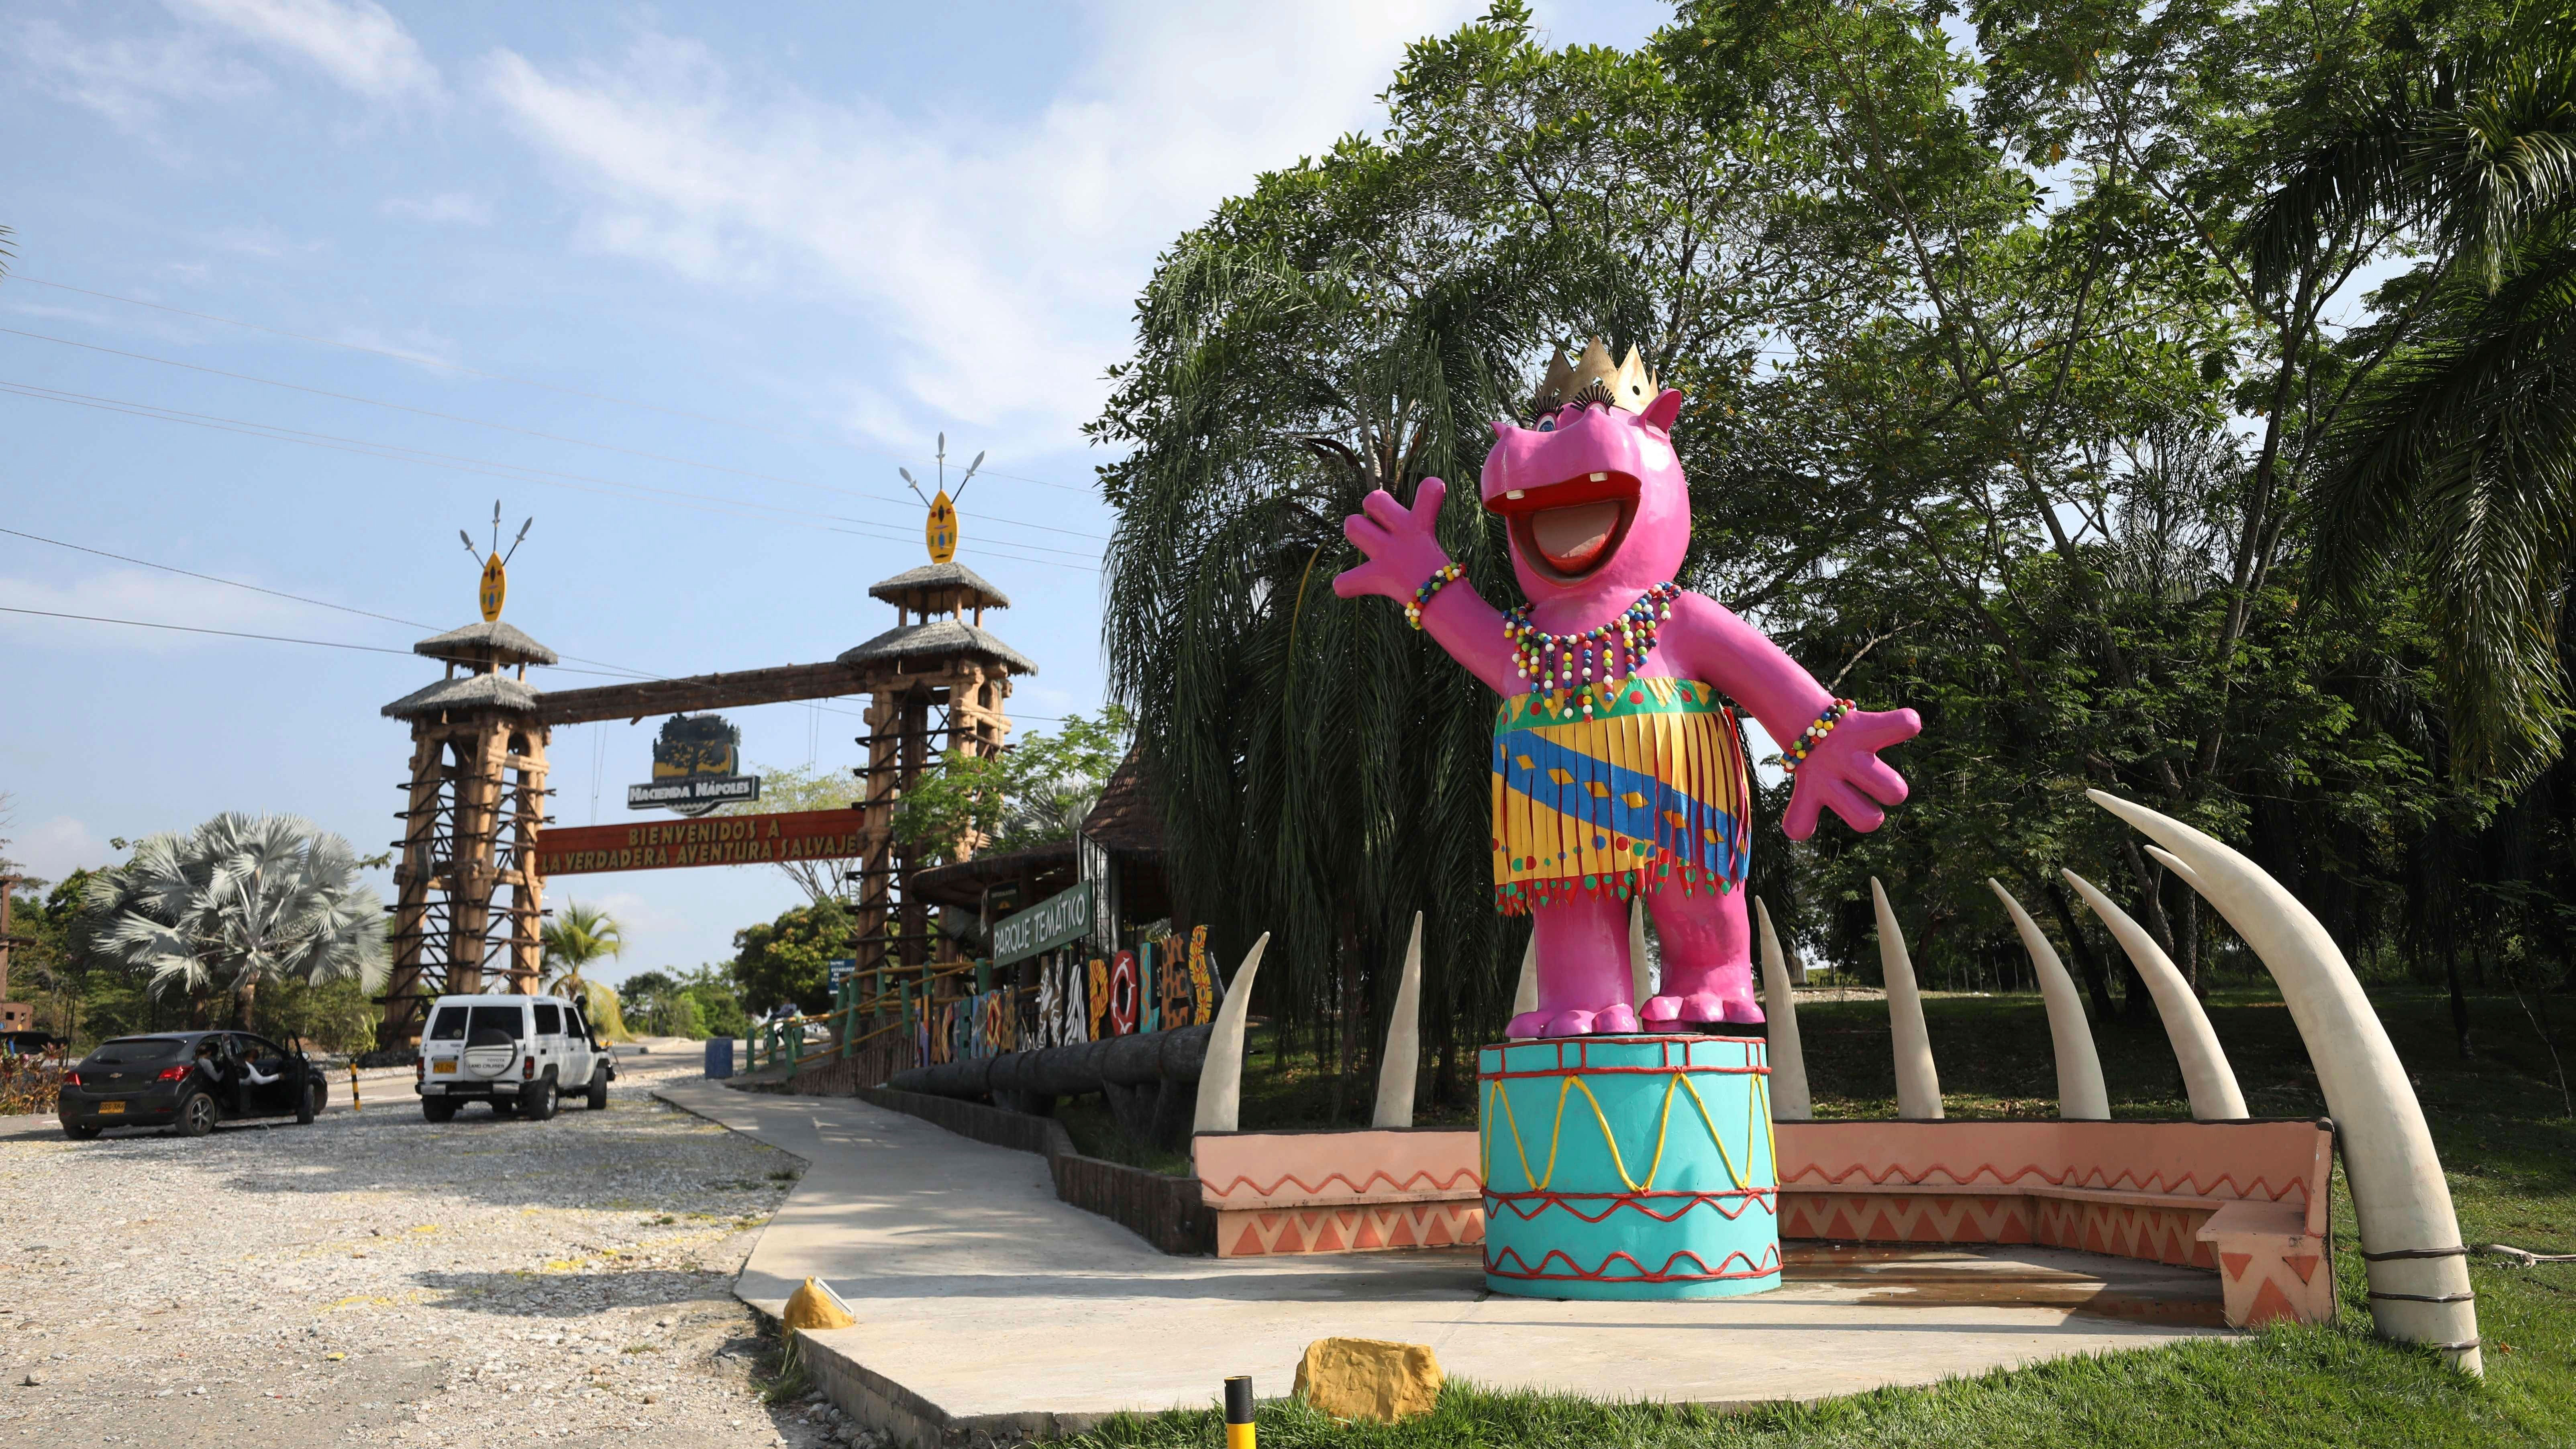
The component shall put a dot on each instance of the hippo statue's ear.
(1660, 413)
(1504, 427)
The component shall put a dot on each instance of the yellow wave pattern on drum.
(1757, 1111)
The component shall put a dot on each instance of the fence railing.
(853, 1022)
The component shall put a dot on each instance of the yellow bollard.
(1238, 1412)
(354, 1104)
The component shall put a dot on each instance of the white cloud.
(158, 598)
(264, 242)
(53, 849)
(357, 43)
(416, 344)
(130, 81)
(447, 206)
(1003, 253)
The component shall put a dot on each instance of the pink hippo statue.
(1616, 767)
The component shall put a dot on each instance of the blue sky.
(686, 283)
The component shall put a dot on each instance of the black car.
(188, 1079)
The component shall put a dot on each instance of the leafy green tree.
(578, 936)
(1991, 414)
(1356, 322)
(336, 1015)
(1036, 792)
(80, 993)
(795, 787)
(657, 1002)
(719, 1001)
(786, 959)
(239, 902)
(636, 992)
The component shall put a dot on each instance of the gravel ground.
(373, 1276)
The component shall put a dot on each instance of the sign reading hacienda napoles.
(724, 840)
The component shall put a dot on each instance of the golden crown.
(1591, 378)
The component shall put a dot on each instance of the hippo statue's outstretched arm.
(1403, 553)
(1706, 641)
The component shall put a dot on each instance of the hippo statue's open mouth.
(1568, 531)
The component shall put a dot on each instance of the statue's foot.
(1665, 1012)
(1618, 1016)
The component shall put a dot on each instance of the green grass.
(1095, 1134)
(2507, 1144)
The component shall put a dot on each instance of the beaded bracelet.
(1446, 575)
(1796, 754)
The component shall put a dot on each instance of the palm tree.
(575, 938)
(2457, 442)
(237, 902)
(1321, 766)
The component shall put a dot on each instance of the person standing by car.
(248, 1075)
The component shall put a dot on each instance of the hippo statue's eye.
(1545, 425)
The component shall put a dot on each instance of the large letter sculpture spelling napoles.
(1616, 770)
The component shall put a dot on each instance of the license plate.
(110, 1108)
(443, 1068)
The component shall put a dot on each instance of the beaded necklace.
(1560, 665)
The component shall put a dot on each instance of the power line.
(405, 452)
(195, 629)
(526, 432)
(212, 579)
(281, 594)
(426, 361)
(606, 670)
(517, 472)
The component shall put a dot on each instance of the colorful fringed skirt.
(1643, 794)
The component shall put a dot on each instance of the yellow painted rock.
(814, 1305)
(1368, 1378)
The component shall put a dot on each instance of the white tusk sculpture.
(1640, 985)
(2206, 1076)
(2081, 1097)
(1395, 1071)
(1789, 1099)
(1525, 995)
(1918, 1083)
(2410, 1235)
(1221, 1078)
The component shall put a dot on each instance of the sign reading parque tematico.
(721, 840)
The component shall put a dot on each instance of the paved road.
(375, 1277)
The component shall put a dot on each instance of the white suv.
(519, 1053)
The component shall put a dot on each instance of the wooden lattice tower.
(476, 800)
(937, 681)
(472, 809)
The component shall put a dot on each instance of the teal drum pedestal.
(1629, 1167)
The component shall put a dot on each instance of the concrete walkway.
(985, 1303)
